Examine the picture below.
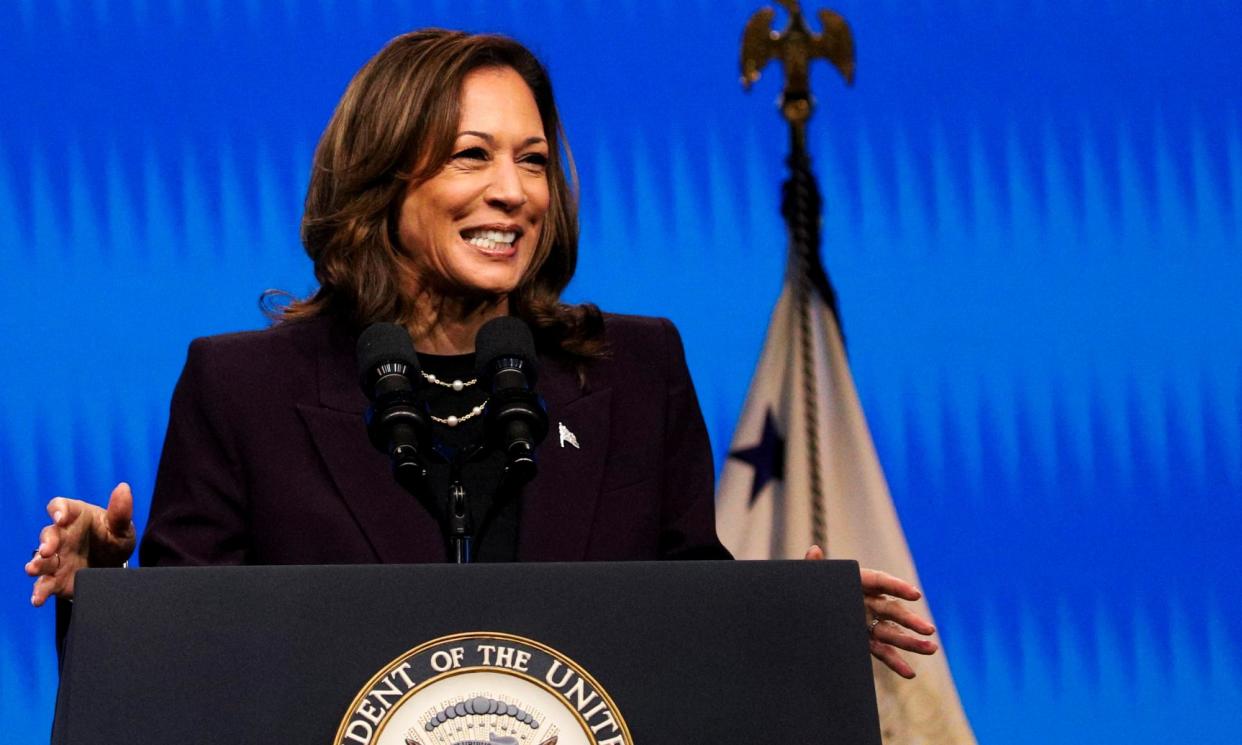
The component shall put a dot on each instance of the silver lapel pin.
(567, 436)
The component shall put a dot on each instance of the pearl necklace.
(456, 385)
(453, 421)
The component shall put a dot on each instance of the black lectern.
(680, 652)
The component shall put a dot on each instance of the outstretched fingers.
(889, 632)
(875, 582)
(889, 655)
(80, 534)
(45, 566)
(40, 565)
(46, 558)
(49, 541)
(889, 618)
(891, 609)
(63, 511)
(45, 587)
(120, 514)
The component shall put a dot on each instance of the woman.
(438, 200)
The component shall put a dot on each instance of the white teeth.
(489, 238)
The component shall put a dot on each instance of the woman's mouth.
(491, 240)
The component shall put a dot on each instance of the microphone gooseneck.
(516, 419)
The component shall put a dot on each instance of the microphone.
(397, 421)
(516, 419)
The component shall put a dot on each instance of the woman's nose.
(507, 190)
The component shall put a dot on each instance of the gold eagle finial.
(795, 47)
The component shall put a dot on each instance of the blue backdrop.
(1033, 219)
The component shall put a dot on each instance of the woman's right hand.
(81, 535)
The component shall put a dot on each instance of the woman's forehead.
(496, 101)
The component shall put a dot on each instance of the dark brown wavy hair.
(395, 125)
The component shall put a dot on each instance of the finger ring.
(57, 561)
(871, 627)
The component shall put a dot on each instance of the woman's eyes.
(532, 160)
(471, 153)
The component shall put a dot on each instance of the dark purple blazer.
(267, 460)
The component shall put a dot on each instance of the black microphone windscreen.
(505, 336)
(383, 343)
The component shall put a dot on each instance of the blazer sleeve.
(688, 504)
(198, 509)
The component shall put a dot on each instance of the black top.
(493, 511)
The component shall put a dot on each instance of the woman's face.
(473, 227)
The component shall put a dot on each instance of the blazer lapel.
(395, 524)
(558, 507)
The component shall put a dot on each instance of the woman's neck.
(448, 325)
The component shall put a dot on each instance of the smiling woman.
(444, 132)
(437, 201)
(472, 229)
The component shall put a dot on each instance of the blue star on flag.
(767, 456)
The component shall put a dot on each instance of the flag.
(802, 469)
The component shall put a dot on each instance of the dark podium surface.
(691, 652)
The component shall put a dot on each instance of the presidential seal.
(482, 688)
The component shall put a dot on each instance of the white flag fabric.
(765, 509)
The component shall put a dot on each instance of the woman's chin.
(491, 279)
(486, 289)
(477, 279)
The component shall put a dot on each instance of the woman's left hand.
(888, 619)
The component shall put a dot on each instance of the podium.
(670, 652)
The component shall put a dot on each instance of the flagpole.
(794, 48)
(801, 206)
(802, 463)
